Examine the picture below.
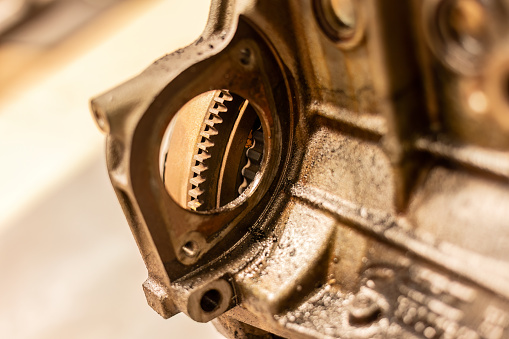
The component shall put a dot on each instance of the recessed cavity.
(210, 300)
(337, 18)
(212, 150)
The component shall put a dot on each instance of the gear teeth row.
(208, 131)
(254, 156)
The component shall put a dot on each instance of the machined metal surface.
(380, 184)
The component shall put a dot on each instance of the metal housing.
(381, 208)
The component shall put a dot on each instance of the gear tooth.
(196, 181)
(198, 169)
(258, 136)
(258, 146)
(249, 171)
(243, 186)
(225, 95)
(195, 192)
(254, 154)
(209, 132)
(245, 166)
(218, 108)
(202, 156)
(215, 119)
(205, 144)
(194, 204)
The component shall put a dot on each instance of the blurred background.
(69, 267)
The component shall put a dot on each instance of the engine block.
(324, 168)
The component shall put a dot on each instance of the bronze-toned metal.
(380, 207)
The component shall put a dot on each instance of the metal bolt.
(190, 249)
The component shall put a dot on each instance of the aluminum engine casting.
(333, 168)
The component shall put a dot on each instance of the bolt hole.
(210, 301)
(245, 56)
(190, 249)
(344, 12)
(464, 23)
(337, 18)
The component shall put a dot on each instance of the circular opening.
(344, 12)
(337, 18)
(212, 151)
(190, 249)
(463, 23)
(245, 56)
(210, 301)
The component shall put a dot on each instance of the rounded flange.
(243, 67)
(457, 33)
(343, 21)
(210, 301)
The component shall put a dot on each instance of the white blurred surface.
(69, 267)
